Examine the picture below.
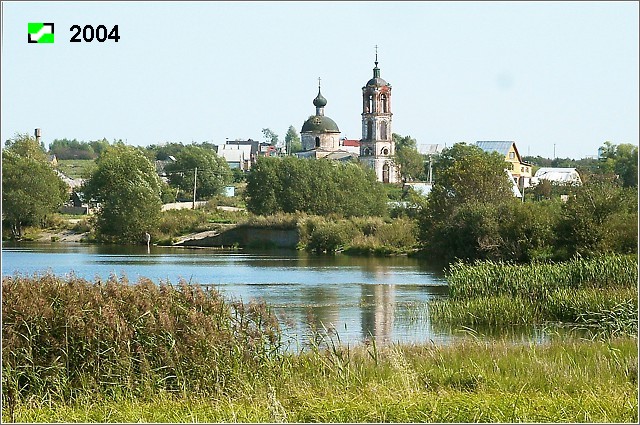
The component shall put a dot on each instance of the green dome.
(320, 101)
(319, 124)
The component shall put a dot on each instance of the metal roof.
(491, 146)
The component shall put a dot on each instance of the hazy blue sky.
(539, 73)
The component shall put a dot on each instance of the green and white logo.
(40, 32)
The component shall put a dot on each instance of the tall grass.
(488, 278)
(597, 293)
(66, 337)
(472, 381)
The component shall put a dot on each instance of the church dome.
(319, 124)
(319, 101)
(377, 82)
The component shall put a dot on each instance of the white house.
(237, 156)
(558, 175)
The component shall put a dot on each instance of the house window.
(522, 169)
(512, 155)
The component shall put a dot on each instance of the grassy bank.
(470, 382)
(600, 293)
(119, 352)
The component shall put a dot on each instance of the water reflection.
(355, 298)
(377, 307)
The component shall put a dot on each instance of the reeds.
(63, 337)
(599, 293)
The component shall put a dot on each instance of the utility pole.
(195, 176)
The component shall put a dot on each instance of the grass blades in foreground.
(562, 381)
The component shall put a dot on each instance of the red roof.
(354, 143)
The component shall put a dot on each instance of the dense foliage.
(127, 191)
(74, 149)
(469, 184)
(212, 173)
(407, 157)
(601, 217)
(471, 214)
(316, 187)
(31, 189)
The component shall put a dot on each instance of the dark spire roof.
(319, 101)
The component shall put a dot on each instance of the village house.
(519, 170)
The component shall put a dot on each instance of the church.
(320, 135)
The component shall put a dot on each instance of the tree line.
(469, 214)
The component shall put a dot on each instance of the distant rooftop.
(495, 146)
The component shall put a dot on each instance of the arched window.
(317, 142)
(367, 151)
(369, 130)
(383, 130)
(385, 173)
(385, 105)
(370, 103)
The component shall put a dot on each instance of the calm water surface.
(359, 298)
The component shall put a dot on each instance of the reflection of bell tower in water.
(377, 147)
(377, 311)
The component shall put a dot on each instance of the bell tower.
(377, 147)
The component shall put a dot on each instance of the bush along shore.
(114, 351)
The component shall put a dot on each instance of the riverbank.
(574, 381)
(110, 351)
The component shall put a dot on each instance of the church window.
(384, 151)
(370, 104)
(383, 130)
(369, 130)
(385, 105)
(317, 142)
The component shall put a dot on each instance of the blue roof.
(500, 147)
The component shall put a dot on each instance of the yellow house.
(521, 170)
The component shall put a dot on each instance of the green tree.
(407, 157)
(292, 141)
(467, 182)
(127, 191)
(212, 174)
(621, 160)
(602, 217)
(31, 189)
(26, 146)
(71, 149)
(270, 137)
(313, 186)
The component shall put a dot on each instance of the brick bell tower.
(377, 147)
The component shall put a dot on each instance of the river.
(354, 298)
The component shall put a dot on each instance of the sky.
(554, 77)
